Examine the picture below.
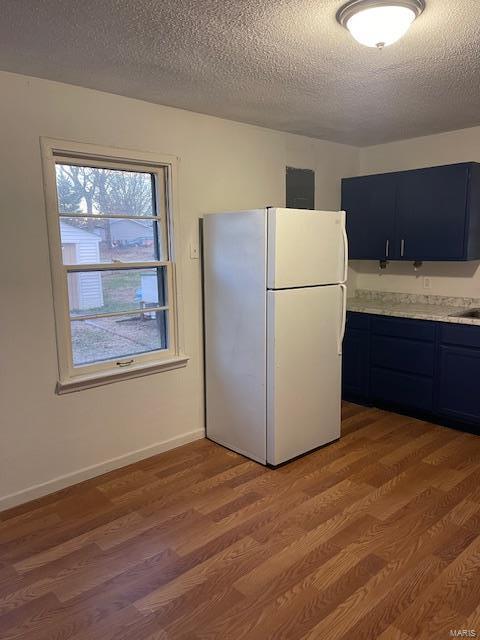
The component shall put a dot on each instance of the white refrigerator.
(275, 305)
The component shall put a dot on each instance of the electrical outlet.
(427, 282)
(194, 251)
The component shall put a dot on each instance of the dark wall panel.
(300, 188)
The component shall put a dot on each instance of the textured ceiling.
(284, 64)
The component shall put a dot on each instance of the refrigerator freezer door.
(306, 248)
(304, 328)
(235, 331)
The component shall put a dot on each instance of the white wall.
(49, 441)
(449, 279)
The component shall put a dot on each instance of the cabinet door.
(369, 202)
(402, 389)
(458, 390)
(355, 364)
(431, 213)
(410, 356)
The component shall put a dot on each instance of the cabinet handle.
(387, 248)
(402, 248)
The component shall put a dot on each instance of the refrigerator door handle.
(344, 318)
(345, 249)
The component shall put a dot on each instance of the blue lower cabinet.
(402, 389)
(419, 367)
(459, 383)
(403, 363)
(398, 354)
(356, 364)
(461, 335)
(405, 328)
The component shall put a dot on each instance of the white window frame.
(73, 378)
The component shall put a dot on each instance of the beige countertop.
(419, 307)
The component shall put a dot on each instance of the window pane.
(100, 339)
(92, 292)
(87, 240)
(83, 189)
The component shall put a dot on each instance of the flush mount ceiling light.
(378, 23)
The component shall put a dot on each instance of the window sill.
(108, 377)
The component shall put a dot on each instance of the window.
(110, 227)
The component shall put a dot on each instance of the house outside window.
(111, 226)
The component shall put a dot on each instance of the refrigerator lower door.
(304, 333)
(306, 248)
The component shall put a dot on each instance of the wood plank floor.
(376, 536)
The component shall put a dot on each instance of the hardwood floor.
(375, 536)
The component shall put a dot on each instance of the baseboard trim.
(61, 482)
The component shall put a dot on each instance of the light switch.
(194, 251)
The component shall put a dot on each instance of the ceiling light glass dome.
(379, 23)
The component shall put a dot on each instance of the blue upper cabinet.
(424, 214)
(370, 205)
(432, 207)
